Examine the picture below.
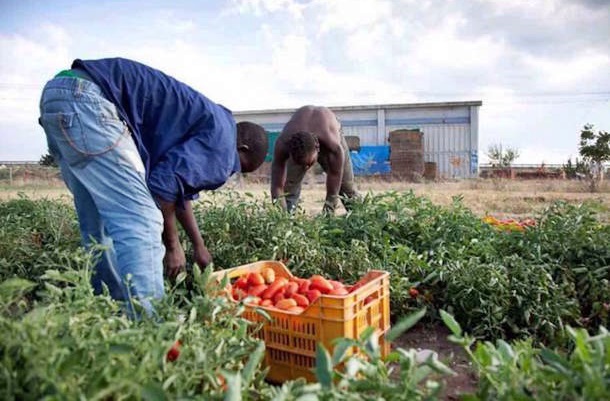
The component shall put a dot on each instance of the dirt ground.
(433, 337)
(502, 198)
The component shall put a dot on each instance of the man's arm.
(186, 217)
(174, 260)
(333, 179)
(278, 175)
(330, 139)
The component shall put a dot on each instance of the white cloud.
(261, 7)
(345, 52)
(171, 21)
(568, 73)
(349, 15)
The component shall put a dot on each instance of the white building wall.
(450, 129)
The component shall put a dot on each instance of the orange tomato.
(296, 309)
(266, 302)
(286, 303)
(338, 291)
(336, 284)
(268, 274)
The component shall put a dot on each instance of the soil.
(434, 337)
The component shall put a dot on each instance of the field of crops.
(528, 307)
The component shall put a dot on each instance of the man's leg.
(107, 174)
(294, 180)
(93, 232)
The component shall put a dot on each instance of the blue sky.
(541, 68)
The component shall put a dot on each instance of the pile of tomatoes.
(292, 294)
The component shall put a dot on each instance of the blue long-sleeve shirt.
(187, 142)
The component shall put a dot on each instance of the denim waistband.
(77, 85)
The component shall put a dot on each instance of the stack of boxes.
(407, 154)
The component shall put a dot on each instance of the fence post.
(10, 176)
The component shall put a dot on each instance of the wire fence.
(17, 175)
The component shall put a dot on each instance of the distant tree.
(500, 156)
(575, 170)
(47, 160)
(594, 149)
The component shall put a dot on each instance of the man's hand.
(202, 256)
(174, 261)
(330, 204)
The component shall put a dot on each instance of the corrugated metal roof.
(372, 107)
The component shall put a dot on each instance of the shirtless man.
(312, 135)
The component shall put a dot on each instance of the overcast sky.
(541, 67)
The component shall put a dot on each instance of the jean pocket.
(79, 137)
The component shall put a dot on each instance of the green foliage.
(72, 345)
(594, 147)
(47, 160)
(498, 284)
(573, 170)
(523, 372)
(500, 156)
(61, 342)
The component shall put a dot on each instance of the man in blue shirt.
(131, 140)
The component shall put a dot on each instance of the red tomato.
(301, 300)
(320, 283)
(257, 290)
(291, 288)
(312, 295)
(255, 278)
(174, 352)
(241, 282)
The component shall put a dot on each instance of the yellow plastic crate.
(291, 339)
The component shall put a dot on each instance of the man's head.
(252, 145)
(303, 148)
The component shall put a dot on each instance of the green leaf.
(153, 391)
(308, 397)
(559, 364)
(340, 350)
(263, 313)
(367, 333)
(14, 287)
(450, 322)
(121, 348)
(248, 372)
(405, 324)
(324, 369)
(233, 386)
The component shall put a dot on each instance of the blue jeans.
(102, 168)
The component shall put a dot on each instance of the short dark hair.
(302, 144)
(252, 140)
